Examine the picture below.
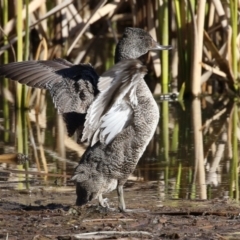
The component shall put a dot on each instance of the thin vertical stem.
(19, 47)
(5, 81)
(178, 181)
(234, 165)
(234, 23)
(26, 53)
(165, 41)
(198, 47)
(165, 130)
(5, 20)
(180, 43)
(198, 147)
(20, 145)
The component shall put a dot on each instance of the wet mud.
(49, 213)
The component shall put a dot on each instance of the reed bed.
(205, 35)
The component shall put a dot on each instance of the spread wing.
(72, 87)
(112, 110)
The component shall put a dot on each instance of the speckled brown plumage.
(122, 114)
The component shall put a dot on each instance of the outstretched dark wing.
(112, 110)
(72, 87)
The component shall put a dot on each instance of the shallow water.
(186, 159)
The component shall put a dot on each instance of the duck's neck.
(125, 51)
(147, 105)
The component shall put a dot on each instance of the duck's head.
(85, 193)
(88, 182)
(135, 43)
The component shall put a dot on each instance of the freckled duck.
(74, 87)
(120, 121)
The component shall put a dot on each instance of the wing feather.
(114, 122)
(112, 110)
(72, 87)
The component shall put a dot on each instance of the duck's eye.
(82, 95)
(81, 172)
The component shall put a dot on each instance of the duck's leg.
(121, 202)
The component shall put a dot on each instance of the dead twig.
(109, 219)
(36, 173)
(213, 70)
(215, 117)
(104, 234)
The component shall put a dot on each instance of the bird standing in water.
(122, 114)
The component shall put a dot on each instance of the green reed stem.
(19, 47)
(234, 166)
(175, 138)
(193, 191)
(165, 41)
(180, 40)
(110, 59)
(20, 145)
(234, 23)
(5, 20)
(26, 53)
(165, 130)
(5, 81)
(174, 143)
(178, 181)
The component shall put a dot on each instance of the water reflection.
(193, 155)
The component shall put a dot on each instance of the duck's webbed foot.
(121, 202)
(103, 202)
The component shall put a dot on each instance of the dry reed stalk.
(84, 27)
(152, 31)
(222, 62)
(32, 7)
(198, 148)
(198, 49)
(221, 13)
(213, 70)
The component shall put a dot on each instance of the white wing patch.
(114, 121)
(112, 110)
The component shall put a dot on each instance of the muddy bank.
(49, 213)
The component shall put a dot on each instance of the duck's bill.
(161, 47)
(157, 46)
